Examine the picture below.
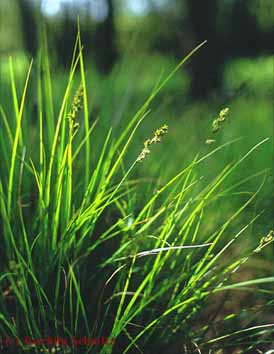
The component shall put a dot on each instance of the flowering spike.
(155, 139)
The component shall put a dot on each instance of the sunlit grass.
(95, 244)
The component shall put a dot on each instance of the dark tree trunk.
(28, 15)
(245, 35)
(240, 36)
(105, 38)
(204, 65)
(65, 39)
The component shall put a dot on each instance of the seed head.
(216, 125)
(75, 108)
(158, 134)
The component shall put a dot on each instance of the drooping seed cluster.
(217, 123)
(265, 241)
(158, 134)
(77, 105)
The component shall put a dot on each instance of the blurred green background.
(130, 44)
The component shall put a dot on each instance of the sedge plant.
(82, 257)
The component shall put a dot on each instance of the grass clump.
(89, 251)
